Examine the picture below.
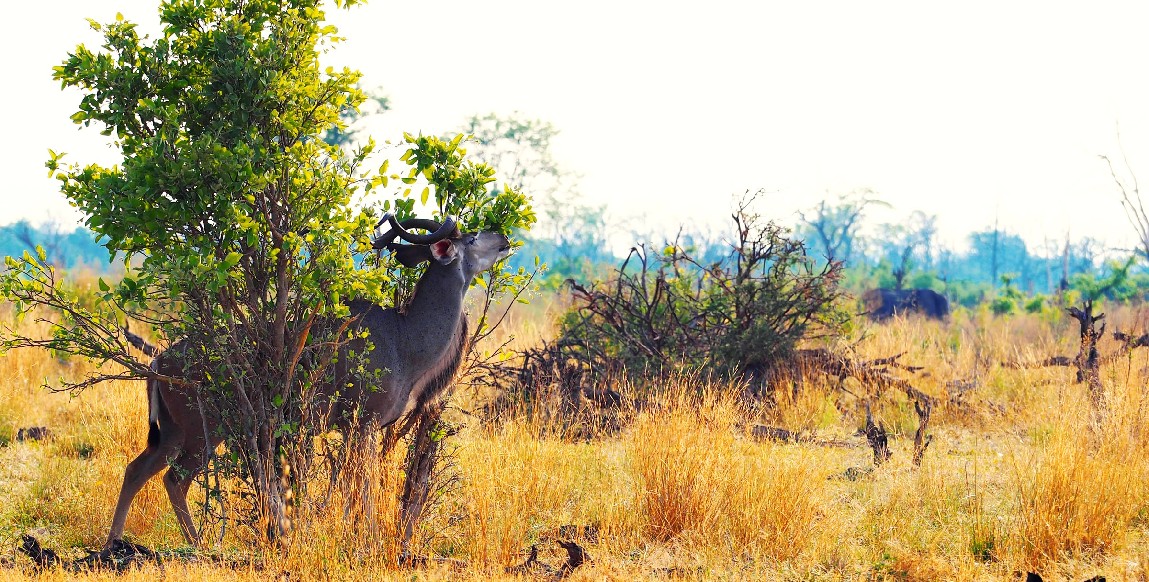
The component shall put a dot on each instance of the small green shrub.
(1007, 299)
(1036, 304)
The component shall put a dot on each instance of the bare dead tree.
(1128, 343)
(876, 436)
(48, 237)
(1088, 360)
(835, 227)
(1131, 198)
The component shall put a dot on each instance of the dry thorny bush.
(732, 315)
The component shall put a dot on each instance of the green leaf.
(231, 260)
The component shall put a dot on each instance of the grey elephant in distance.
(882, 304)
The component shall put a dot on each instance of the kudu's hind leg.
(177, 481)
(144, 467)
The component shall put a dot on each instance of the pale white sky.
(667, 109)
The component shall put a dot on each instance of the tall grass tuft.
(349, 523)
(678, 461)
(698, 480)
(1076, 497)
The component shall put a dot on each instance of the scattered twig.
(32, 433)
(1050, 362)
(41, 556)
(876, 374)
(921, 439)
(1129, 343)
(532, 565)
(576, 556)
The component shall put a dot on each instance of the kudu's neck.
(435, 308)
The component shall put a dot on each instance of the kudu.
(417, 351)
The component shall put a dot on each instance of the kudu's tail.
(155, 406)
(155, 401)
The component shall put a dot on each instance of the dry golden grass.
(1020, 476)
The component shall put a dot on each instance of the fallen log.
(776, 434)
(876, 373)
(119, 557)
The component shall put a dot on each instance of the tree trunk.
(1088, 361)
(420, 469)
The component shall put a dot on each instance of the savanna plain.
(1020, 474)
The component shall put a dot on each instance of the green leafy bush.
(239, 226)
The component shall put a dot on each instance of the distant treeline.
(66, 247)
(995, 267)
(996, 261)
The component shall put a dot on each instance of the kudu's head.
(471, 253)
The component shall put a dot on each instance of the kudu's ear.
(444, 251)
(411, 255)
